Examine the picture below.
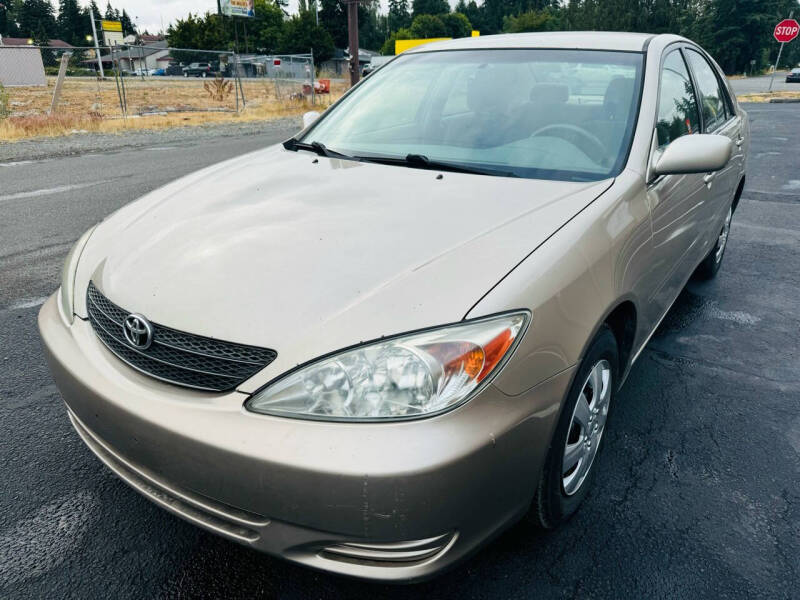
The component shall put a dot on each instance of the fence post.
(239, 79)
(62, 71)
(313, 91)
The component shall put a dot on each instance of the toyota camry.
(373, 347)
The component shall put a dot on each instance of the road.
(755, 85)
(696, 493)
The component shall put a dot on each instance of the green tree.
(71, 23)
(534, 20)
(8, 23)
(128, 28)
(110, 14)
(456, 25)
(427, 26)
(301, 34)
(399, 15)
(36, 19)
(430, 7)
(388, 46)
(334, 19)
(267, 26)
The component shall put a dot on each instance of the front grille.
(175, 356)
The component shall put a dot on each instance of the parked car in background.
(373, 348)
(375, 63)
(156, 72)
(197, 70)
(793, 76)
(174, 69)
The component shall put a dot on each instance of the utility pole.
(352, 38)
(96, 44)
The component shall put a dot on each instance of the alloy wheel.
(586, 428)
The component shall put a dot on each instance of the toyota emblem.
(138, 331)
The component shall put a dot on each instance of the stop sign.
(786, 30)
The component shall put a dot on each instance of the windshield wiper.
(318, 147)
(420, 161)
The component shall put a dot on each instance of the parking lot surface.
(756, 85)
(696, 494)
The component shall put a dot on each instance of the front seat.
(610, 126)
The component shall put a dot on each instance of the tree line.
(40, 21)
(738, 33)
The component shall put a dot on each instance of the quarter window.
(677, 106)
(712, 102)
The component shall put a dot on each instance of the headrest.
(618, 97)
(549, 93)
(487, 90)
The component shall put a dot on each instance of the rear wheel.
(711, 263)
(568, 470)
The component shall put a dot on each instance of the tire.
(713, 260)
(185, 74)
(204, 75)
(562, 488)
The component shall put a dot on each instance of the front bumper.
(388, 501)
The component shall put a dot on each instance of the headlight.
(408, 376)
(66, 292)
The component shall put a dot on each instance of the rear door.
(719, 117)
(676, 201)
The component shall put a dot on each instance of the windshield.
(545, 114)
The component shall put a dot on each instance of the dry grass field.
(91, 105)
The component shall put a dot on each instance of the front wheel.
(568, 470)
(711, 263)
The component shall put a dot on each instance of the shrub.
(4, 107)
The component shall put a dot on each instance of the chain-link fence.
(124, 82)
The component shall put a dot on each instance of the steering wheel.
(595, 149)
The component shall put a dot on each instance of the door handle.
(709, 177)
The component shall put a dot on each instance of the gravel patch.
(83, 143)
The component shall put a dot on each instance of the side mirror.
(701, 153)
(309, 118)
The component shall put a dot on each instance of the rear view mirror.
(309, 118)
(699, 153)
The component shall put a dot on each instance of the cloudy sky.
(149, 14)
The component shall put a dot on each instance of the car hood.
(306, 254)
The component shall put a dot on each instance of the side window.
(712, 97)
(677, 105)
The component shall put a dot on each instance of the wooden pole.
(352, 30)
(62, 71)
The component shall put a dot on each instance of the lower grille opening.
(401, 554)
(224, 519)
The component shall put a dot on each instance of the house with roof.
(17, 42)
(154, 55)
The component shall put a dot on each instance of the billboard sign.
(112, 32)
(237, 8)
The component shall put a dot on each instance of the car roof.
(582, 40)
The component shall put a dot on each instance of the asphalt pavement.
(755, 85)
(696, 495)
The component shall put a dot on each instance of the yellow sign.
(111, 25)
(476, 33)
(403, 45)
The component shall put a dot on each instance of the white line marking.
(49, 191)
(16, 163)
(43, 541)
(29, 303)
